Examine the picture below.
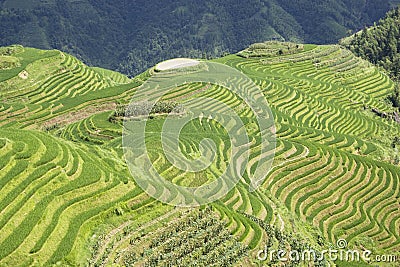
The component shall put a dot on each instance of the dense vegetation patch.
(101, 32)
(271, 49)
(135, 110)
(380, 44)
(195, 239)
(7, 62)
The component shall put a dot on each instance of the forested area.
(380, 45)
(131, 36)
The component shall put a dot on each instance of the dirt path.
(75, 116)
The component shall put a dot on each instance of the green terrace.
(66, 194)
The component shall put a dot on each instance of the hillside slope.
(380, 44)
(66, 195)
(134, 35)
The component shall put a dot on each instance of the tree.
(395, 97)
(380, 44)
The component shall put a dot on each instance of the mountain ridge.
(133, 36)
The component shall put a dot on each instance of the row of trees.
(199, 238)
(145, 108)
(271, 48)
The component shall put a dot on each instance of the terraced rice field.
(51, 190)
(66, 194)
(55, 84)
(341, 184)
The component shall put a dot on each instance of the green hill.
(380, 43)
(132, 36)
(67, 197)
